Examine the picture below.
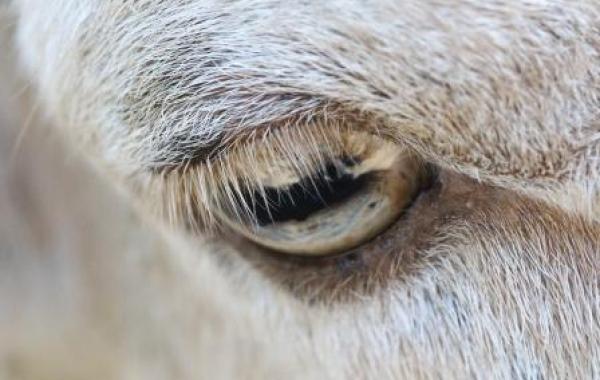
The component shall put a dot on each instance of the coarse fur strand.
(163, 111)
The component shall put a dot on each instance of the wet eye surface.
(348, 200)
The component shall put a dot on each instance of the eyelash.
(194, 194)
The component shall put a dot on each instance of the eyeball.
(345, 203)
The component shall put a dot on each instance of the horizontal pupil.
(324, 189)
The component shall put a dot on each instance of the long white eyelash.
(196, 194)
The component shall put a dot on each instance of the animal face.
(372, 189)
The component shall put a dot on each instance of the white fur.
(504, 91)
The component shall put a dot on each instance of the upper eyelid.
(197, 192)
(320, 122)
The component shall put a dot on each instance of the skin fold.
(110, 111)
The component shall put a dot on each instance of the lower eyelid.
(393, 255)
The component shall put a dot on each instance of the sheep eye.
(348, 200)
